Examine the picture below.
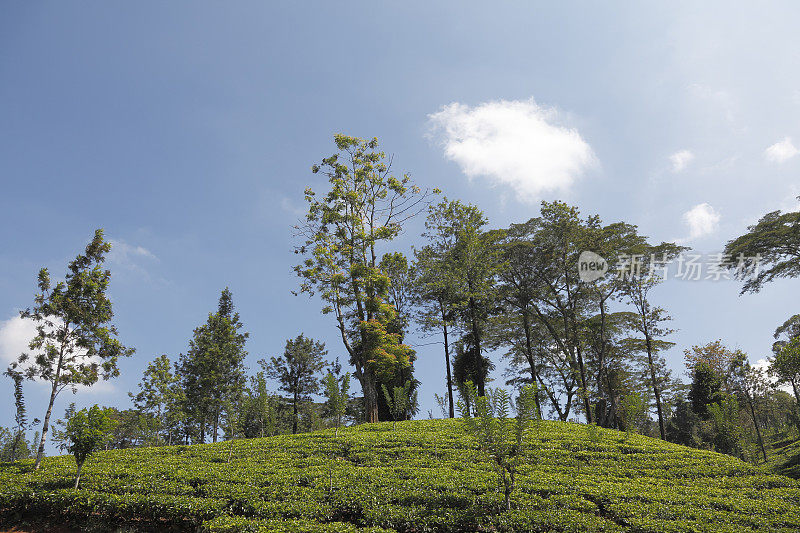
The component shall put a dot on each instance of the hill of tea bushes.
(423, 476)
(784, 457)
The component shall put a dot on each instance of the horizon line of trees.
(592, 349)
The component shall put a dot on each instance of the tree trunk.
(447, 364)
(476, 339)
(370, 389)
(78, 476)
(529, 354)
(584, 390)
(755, 423)
(216, 424)
(656, 391)
(46, 424)
(797, 402)
(294, 414)
(603, 371)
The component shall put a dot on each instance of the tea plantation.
(423, 476)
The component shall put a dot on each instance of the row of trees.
(590, 347)
(584, 345)
(208, 393)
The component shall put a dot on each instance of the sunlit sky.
(187, 130)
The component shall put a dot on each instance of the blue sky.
(187, 130)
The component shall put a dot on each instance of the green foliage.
(297, 369)
(786, 363)
(365, 208)
(75, 342)
(421, 477)
(400, 401)
(725, 418)
(775, 242)
(88, 430)
(212, 371)
(14, 445)
(706, 388)
(500, 437)
(336, 392)
(634, 411)
(161, 397)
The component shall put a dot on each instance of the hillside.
(784, 457)
(423, 476)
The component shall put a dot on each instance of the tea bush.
(424, 476)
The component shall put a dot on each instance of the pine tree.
(212, 371)
(297, 370)
(75, 342)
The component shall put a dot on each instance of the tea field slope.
(423, 476)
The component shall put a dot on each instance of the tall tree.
(436, 292)
(20, 414)
(750, 383)
(650, 319)
(75, 342)
(365, 208)
(156, 396)
(563, 303)
(721, 361)
(336, 388)
(212, 371)
(773, 242)
(465, 256)
(297, 370)
(785, 366)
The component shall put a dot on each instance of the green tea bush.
(422, 477)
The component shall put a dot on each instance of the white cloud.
(680, 160)
(702, 220)
(132, 258)
(16, 334)
(763, 365)
(124, 254)
(781, 151)
(515, 143)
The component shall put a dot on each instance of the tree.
(88, 430)
(457, 271)
(400, 401)
(20, 415)
(773, 241)
(75, 342)
(750, 382)
(365, 208)
(720, 360)
(156, 396)
(725, 418)
(14, 447)
(212, 371)
(261, 406)
(786, 367)
(435, 291)
(563, 302)
(297, 370)
(706, 388)
(649, 318)
(336, 393)
(500, 437)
